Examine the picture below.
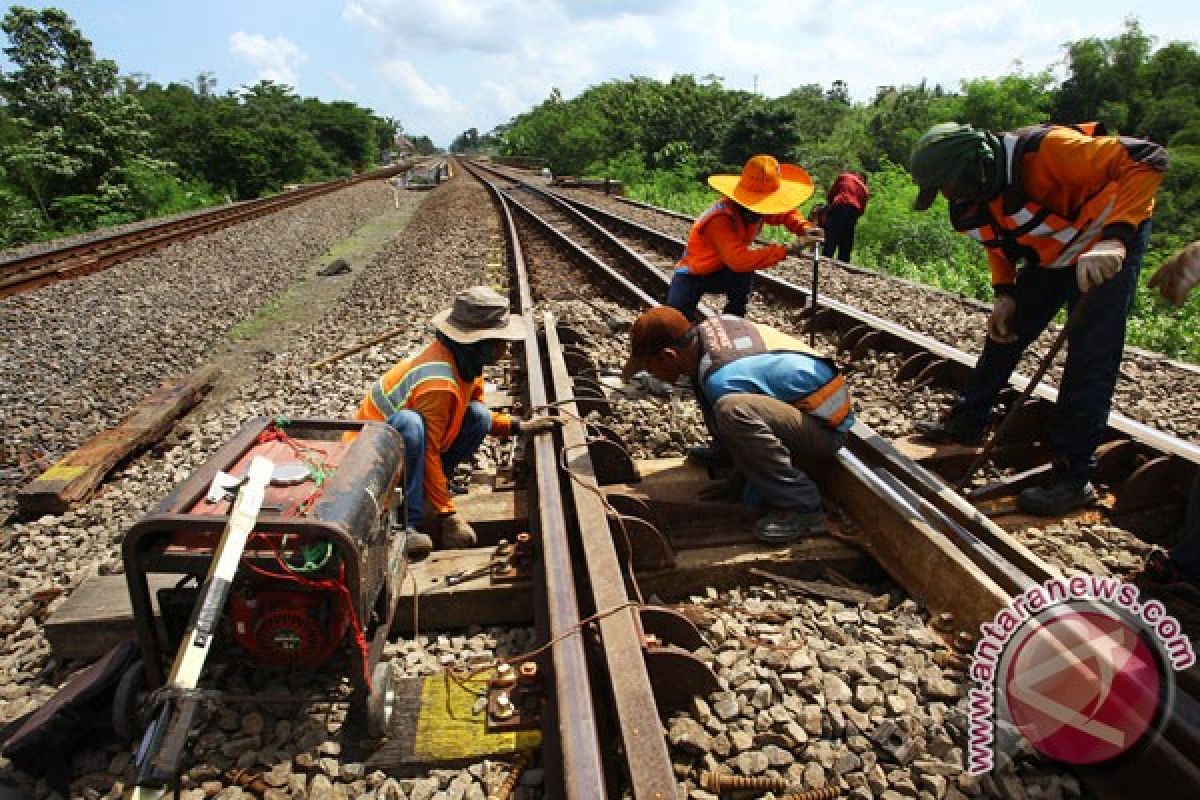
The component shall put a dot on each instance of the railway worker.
(845, 202)
(718, 258)
(1174, 280)
(1073, 208)
(435, 401)
(775, 406)
(1178, 275)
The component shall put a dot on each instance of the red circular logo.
(1082, 686)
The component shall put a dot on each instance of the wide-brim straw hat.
(766, 186)
(478, 314)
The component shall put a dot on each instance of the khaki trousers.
(772, 443)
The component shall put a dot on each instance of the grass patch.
(264, 318)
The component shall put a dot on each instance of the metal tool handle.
(1072, 320)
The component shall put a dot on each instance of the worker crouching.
(434, 400)
(776, 407)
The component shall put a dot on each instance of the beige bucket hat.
(479, 313)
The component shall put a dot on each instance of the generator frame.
(354, 512)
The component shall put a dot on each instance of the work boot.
(953, 428)
(1060, 494)
(787, 526)
(457, 533)
(710, 456)
(417, 545)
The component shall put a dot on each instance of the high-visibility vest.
(433, 367)
(725, 339)
(700, 257)
(1021, 226)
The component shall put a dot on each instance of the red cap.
(654, 330)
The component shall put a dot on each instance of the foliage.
(664, 139)
(81, 146)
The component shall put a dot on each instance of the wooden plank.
(97, 616)
(75, 477)
(481, 601)
(819, 588)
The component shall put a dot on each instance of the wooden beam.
(77, 475)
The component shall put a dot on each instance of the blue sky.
(443, 66)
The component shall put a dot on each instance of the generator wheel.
(381, 701)
(128, 718)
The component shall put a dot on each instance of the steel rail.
(26, 273)
(576, 734)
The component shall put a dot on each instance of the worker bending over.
(773, 404)
(435, 401)
(1072, 208)
(718, 258)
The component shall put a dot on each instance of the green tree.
(78, 129)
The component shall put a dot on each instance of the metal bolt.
(716, 782)
(824, 793)
(504, 706)
(505, 789)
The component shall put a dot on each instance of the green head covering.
(967, 161)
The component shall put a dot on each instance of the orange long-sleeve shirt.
(1069, 167)
(442, 404)
(720, 237)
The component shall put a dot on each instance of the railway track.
(934, 543)
(28, 272)
(612, 550)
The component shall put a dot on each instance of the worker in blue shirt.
(770, 402)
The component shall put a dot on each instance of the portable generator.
(320, 568)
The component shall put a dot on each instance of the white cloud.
(455, 64)
(276, 59)
(416, 89)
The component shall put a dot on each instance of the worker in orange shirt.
(434, 400)
(1072, 208)
(718, 258)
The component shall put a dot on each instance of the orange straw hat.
(765, 186)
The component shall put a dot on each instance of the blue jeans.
(1094, 349)
(1186, 554)
(477, 421)
(686, 289)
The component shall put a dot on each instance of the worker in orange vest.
(1181, 564)
(1072, 208)
(777, 408)
(434, 400)
(718, 258)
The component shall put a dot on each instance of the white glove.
(999, 324)
(1175, 278)
(1099, 264)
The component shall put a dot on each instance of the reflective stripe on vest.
(830, 403)
(1025, 229)
(388, 402)
(726, 339)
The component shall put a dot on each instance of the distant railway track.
(25, 273)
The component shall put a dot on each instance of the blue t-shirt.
(784, 375)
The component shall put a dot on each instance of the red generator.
(320, 571)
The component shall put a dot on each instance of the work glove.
(537, 424)
(1178, 275)
(457, 533)
(803, 245)
(1099, 264)
(999, 324)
